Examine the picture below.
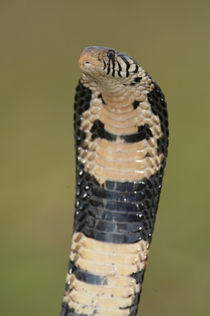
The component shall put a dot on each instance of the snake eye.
(111, 54)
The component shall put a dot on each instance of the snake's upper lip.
(84, 61)
(89, 56)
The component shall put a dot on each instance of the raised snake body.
(121, 138)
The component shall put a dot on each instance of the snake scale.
(121, 140)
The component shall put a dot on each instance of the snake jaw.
(91, 62)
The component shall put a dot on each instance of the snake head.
(97, 62)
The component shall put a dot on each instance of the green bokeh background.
(39, 46)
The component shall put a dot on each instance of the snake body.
(121, 139)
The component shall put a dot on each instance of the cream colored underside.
(120, 161)
(116, 262)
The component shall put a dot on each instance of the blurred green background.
(40, 42)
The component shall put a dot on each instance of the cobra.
(121, 139)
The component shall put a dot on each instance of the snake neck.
(117, 100)
(120, 92)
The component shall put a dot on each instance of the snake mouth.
(89, 58)
(85, 63)
(94, 60)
